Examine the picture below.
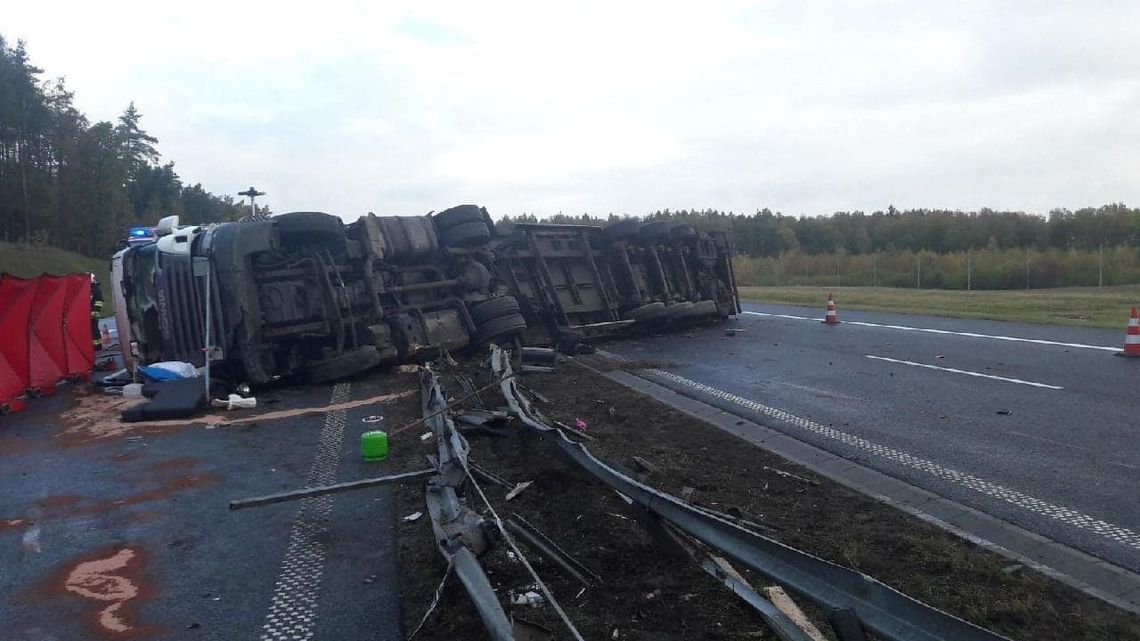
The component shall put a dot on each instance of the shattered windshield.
(140, 265)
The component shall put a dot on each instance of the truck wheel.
(300, 228)
(466, 235)
(679, 311)
(495, 328)
(456, 216)
(621, 230)
(494, 308)
(705, 309)
(344, 365)
(654, 230)
(683, 231)
(648, 313)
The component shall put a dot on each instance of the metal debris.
(322, 490)
(789, 475)
(518, 489)
(540, 543)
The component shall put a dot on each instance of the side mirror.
(166, 225)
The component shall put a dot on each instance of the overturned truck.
(304, 294)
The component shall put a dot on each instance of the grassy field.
(32, 260)
(1079, 306)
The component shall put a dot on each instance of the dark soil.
(647, 594)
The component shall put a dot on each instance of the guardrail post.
(846, 625)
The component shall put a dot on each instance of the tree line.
(67, 182)
(770, 234)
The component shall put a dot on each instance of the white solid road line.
(1068, 516)
(966, 372)
(931, 330)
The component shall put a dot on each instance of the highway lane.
(1038, 434)
(157, 500)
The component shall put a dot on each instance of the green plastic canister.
(374, 445)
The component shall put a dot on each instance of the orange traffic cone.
(832, 317)
(1132, 338)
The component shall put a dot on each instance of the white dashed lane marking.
(1110, 531)
(931, 330)
(293, 611)
(966, 372)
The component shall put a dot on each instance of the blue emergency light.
(139, 235)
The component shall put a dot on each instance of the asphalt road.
(1043, 435)
(129, 534)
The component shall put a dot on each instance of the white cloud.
(804, 107)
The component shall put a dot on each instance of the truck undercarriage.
(303, 294)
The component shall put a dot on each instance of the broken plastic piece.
(234, 402)
(413, 517)
(580, 424)
(530, 597)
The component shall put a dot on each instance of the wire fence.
(978, 269)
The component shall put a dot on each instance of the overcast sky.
(622, 107)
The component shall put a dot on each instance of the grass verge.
(1077, 306)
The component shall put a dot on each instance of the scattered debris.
(233, 402)
(733, 331)
(645, 465)
(413, 517)
(530, 597)
(791, 476)
(785, 604)
(687, 492)
(940, 356)
(426, 436)
(580, 425)
(549, 550)
(518, 489)
(653, 595)
(489, 475)
(579, 433)
(1005, 412)
(372, 419)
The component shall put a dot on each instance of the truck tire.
(621, 229)
(679, 311)
(466, 235)
(301, 228)
(494, 308)
(502, 326)
(683, 231)
(344, 365)
(705, 309)
(459, 215)
(648, 313)
(653, 230)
